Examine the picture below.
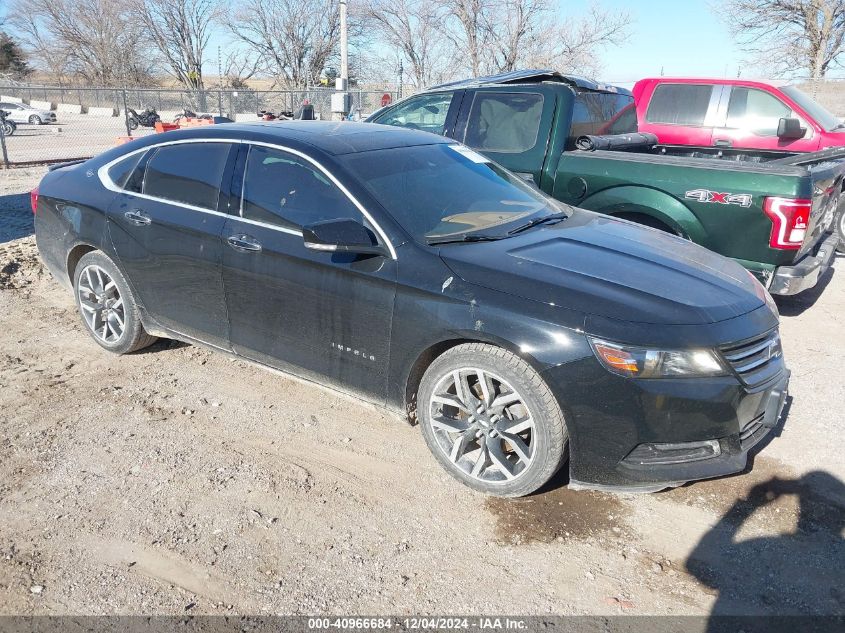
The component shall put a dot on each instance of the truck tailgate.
(825, 170)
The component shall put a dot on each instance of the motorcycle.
(186, 114)
(7, 125)
(147, 118)
(267, 115)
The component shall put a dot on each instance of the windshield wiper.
(554, 217)
(449, 239)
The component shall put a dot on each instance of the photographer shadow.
(799, 573)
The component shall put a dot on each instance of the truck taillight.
(33, 200)
(789, 217)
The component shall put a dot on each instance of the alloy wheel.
(482, 425)
(101, 304)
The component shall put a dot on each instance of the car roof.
(331, 137)
(533, 76)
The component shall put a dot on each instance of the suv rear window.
(602, 113)
(505, 122)
(679, 104)
(189, 173)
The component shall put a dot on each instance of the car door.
(165, 225)
(433, 112)
(751, 121)
(323, 314)
(683, 114)
(512, 127)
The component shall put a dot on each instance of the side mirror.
(342, 235)
(790, 129)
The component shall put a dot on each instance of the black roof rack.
(533, 76)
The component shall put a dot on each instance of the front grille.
(756, 360)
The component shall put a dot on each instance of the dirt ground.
(178, 480)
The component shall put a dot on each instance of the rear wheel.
(35, 120)
(107, 305)
(491, 421)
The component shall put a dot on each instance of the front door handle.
(243, 243)
(723, 142)
(138, 218)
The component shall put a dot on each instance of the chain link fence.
(55, 123)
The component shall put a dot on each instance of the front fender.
(646, 201)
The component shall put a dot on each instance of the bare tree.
(470, 29)
(96, 40)
(293, 42)
(180, 30)
(415, 29)
(573, 45)
(806, 36)
(502, 35)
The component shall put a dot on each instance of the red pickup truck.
(736, 114)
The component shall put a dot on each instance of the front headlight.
(641, 362)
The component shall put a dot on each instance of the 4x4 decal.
(705, 195)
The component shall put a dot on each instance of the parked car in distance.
(22, 113)
(772, 213)
(774, 116)
(413, 272)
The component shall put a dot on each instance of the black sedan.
(409, 270)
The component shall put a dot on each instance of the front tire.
(35, 120)
(840, 229)
(133, 123)
(491, 421)
(107, 306)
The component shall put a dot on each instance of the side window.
(602, 113)
(427, 113)
(284, 190)
(756, 111)
(506, 122)
(679, 104)
(128, 174)
(189, 173)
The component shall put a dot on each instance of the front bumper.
(790, 280)
(647, 435)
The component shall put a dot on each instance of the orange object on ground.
(161, 126)
(121, 140)
(192, 122)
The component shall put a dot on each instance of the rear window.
(504, 122)
(679, 104)
(188, 173)
(602, 113)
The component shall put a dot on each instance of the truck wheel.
(840, 229)
(491, 421)
(107, 305)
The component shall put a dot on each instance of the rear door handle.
(244, 243)
(138, 218)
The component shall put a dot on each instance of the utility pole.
(341, 99)
(399, 91)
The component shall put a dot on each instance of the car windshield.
(445, 191)
(825, 119)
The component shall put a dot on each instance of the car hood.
(608, 267)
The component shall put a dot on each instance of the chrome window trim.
(103, 175)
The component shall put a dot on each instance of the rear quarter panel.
(70, 213)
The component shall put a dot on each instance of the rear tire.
(107, 306)
(491, 421)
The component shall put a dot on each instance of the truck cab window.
(505, 122)
(680, 104)
(756, 111)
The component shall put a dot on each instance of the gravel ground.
(178, 480)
